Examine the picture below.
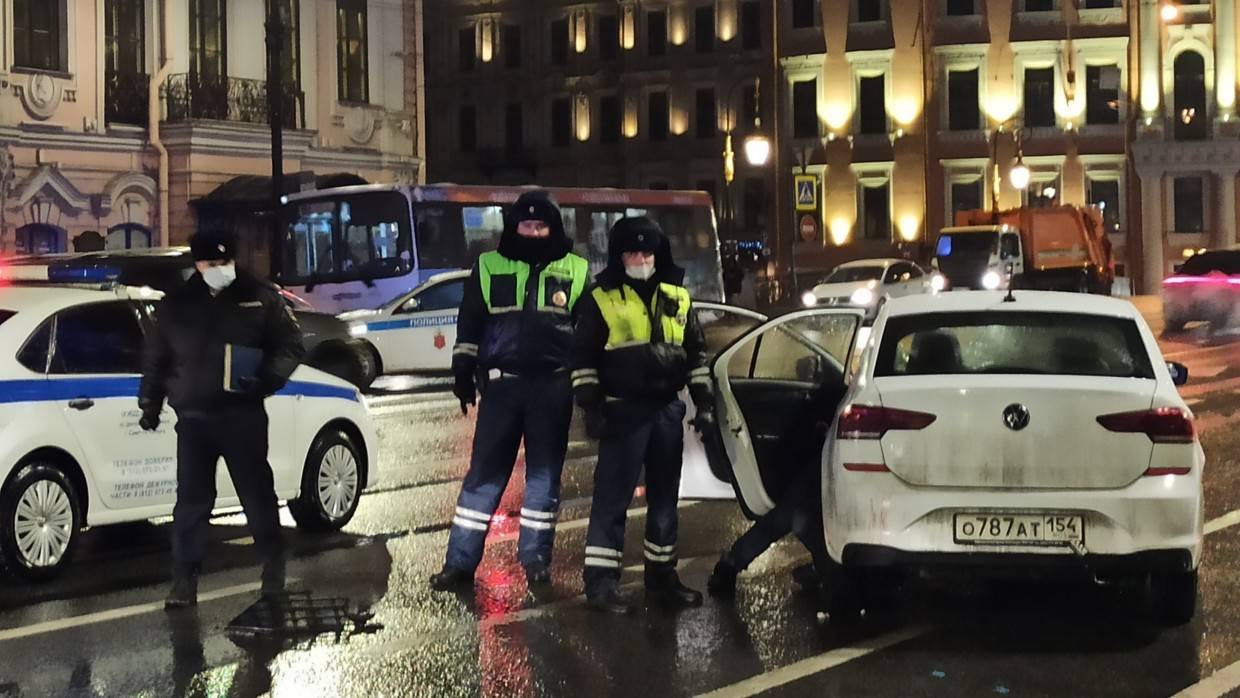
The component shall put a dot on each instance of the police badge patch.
(682, 319)
(559, 299)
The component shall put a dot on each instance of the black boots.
(450, 578)
(722, 580)
(183, 594)
(608, 600)
(273, 576)
(664, 584)
(537, 574)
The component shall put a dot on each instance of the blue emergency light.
(944, 248)
(82, 274)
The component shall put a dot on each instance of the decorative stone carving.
(360, 124)
(42, 95)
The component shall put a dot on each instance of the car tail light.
(1164, 425)
(867, 467)
(869, 422)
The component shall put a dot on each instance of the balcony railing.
(191, 96)
(126, 101)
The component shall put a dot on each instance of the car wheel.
(330, 484)
(1175, 597)
(368, 360)
(39, 521)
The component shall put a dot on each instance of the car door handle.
(82, 403)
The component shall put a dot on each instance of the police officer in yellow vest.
(636, 346)
(514, 334)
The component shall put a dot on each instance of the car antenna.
(1009, 298)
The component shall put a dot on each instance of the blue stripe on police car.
(414, 323)
(54, 389)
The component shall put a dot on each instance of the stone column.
(1225, 57)
(1150, 83)
(1151, 231)
(1225, 230)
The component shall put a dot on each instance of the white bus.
(361, 246)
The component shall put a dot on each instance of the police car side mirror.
(411, 305)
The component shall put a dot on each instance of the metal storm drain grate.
(298, 616)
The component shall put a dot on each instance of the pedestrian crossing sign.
(807, 192)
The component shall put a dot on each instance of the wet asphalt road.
(100, 630)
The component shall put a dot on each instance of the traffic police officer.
(514, 332)
(184, 362)
(636, 346)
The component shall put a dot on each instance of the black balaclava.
(535, 206)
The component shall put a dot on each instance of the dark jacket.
(183, 359)
(653, 372)
(524, 342)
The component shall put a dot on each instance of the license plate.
(1019, 529)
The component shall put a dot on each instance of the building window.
(514, 127)
(559, 42)
(962, 103)
(872, 104)
(960, 8)
(707, 123)
(1042, 193)
(37, 38)
(512, 46)
(753, 202)
(869, 11)
(1104, 193)
(609, 119)
(875, 213)
(608, 37)
(467, 128)
(352, 60)
(561, 122)
(1101, 4)
(656, 115)
(467, 51)
(751, 26)
(125, 32)
(966, 196)
(208, 38)
(1102, 94)
(1190, 201)
(656, 33)
(1040, 97)
(805, 109)
(704, 29)
(1039, 6)
(1190, 97)
(804, 14)
(41, 238)
(290, 48)
(660, 186)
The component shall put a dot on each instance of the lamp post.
(1018, 174)
(276, 28)
(757, 148)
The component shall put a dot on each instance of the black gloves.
(596, 424)
(466, 391)
(149, 421)
(704, 420)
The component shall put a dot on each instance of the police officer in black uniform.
(184, 362)
(636, 346)
(514, 332)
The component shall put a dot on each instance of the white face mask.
(641, 272)
(220, 278)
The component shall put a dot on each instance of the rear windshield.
(957, 243)
(1225, 262)
(1012, 343)
(5, 315)
(847, 275)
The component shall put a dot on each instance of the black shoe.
(537, 574)
(666, 586)
(806, 577)
(608, 600)
(183, 594)
(450, 578)
(273, 577)
(722, 580)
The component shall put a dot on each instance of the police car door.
(422, 330)
(701, 477)
(95, 367)
(776, 391)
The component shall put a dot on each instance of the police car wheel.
(330, 485)
(39, 522)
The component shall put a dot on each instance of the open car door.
(777, 388)
(703, 477)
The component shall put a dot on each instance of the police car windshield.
(5, 315)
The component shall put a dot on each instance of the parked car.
(868, 283)
(415, 331)
(1206, 287)
(1041, 433)
(329, 346)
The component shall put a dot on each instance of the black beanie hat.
(636, 234)
(211, 246)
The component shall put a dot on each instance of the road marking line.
(1217, 684)
(1227, 520)
(813, 665)
(118, 613)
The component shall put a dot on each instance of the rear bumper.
(879, 556)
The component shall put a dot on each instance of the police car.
(72, 453)
(415, 331)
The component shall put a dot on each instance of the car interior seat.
(934, 353)
(1078, 356)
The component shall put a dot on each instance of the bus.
(358, 247)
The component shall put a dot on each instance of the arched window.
(128, 236)
(1191, 121)
(41, 238)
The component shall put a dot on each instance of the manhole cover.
(296, 615)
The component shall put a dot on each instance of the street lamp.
(1169, 12)
(1019, 176)
(757, 149)
(756, 145)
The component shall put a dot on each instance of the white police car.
(416, 330)
(72, 453)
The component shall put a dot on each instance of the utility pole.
(275, 114)
(777, 151)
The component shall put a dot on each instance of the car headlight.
(862, 296)
(808, 299)
(358, 330)
(991, 280)
(938, 282)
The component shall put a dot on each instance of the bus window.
(483, 226)
(345, 237)
(690, 232)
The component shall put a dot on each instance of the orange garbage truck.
(1057, 248)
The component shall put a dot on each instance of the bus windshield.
(347, 237)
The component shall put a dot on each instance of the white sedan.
(416, 330)
(72, 453)
(868, 283)
(1038, 431)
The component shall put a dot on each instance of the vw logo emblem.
(1016, 416)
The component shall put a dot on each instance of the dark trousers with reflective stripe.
(636, 434)
(798, 511)
(239, 436)
(537, 409)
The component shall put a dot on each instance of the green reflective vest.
(504, 281)
(629, 320)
